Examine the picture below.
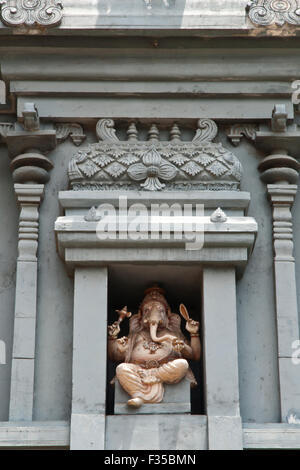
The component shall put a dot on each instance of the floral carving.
(154, 165)
(31, 12)
(266, 12)
(152, 170)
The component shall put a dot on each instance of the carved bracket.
(72, 130)
(236, 132)
(153, 164)
(31, 13)
(5, 127)
(267, 12)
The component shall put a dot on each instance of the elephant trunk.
(155, 338)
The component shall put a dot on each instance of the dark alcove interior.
(182, 284)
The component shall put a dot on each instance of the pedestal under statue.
(155, 352)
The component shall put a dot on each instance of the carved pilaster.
(30, 168)
(29, 197)
(280, 171)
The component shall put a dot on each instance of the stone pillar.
(30, 169)
(29, 198)
(280, 172)
(221, 359)
(282, 198)
(89, 359)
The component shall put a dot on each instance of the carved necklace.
(150, 345)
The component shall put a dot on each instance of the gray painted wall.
(256, 313)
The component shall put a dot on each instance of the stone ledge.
(57, 433)
(35, 434)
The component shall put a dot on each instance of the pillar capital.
(28, 145)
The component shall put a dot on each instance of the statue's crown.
(155, 293)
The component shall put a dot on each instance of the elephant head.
(154, 316)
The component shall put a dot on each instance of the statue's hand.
(178, 345)
(114, 330)
(192, 326)
(122, 343)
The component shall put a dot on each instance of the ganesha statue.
(156, 351)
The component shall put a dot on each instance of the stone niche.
(182, 284)
(113, 271)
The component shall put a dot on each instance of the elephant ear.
(174, 324)
(134, 323)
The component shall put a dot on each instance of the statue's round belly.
(142, 354)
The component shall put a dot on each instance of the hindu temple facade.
(149, 154)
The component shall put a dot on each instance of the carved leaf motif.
(103, 160)
(167, 172)
(105, 130)
(179, 159)
(204, 159)
(191, 168)
(129, 159)
(217, 169)
(152, 157)
(206, 132)
(89, 168)
(137, 172)
(115, 169)
(153, 184)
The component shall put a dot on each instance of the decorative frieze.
(31, 13)
(267, 12)
(154, 164)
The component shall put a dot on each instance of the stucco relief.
(44, 13)
(266, 12)
(156, 351)
(155, 165)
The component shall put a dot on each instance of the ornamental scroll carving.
(29, 13)
(266, 12)
(154, 164)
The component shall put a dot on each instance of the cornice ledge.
(31, 15)
(279, 12)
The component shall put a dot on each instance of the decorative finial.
(175, 132)
(153, 133)
(92, 216)
(218, 216)
(132, 132)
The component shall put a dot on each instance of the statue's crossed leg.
(146, 385)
